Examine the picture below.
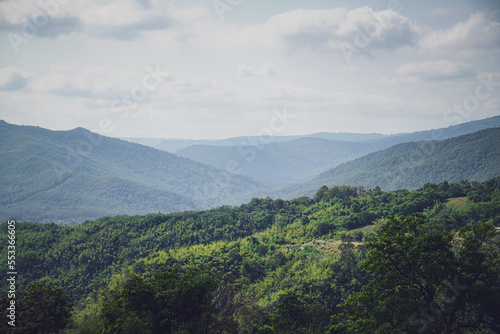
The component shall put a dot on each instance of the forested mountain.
(381, 141)
(174, 145)
(282, 160)
(271, 266)
(440, 134)
(474, 156)
(280, 163)
(76, 175)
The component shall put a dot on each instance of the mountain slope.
(67, 174)
(285, 161)
(279, 163)
(438, 134)
(174, 145)
(472, 157)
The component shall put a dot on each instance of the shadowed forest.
(348, 260)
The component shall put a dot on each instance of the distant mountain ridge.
(70, 176)
(286, 161)
(77, 174)
(279, 163)
(174, 145)
(472, 157)
(441, 133)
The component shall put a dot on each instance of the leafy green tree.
(167, 302)
(40, 308)
(295, 313)
(128, 306)
(422, 283)
(265, 329)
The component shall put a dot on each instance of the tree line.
(419, 259)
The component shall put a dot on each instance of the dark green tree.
(426, 280)
(129, 306)
(40, 308)
(167, 302)
(295, 313)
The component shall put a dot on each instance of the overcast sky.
(225, 68)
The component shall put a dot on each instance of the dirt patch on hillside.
(324, 246)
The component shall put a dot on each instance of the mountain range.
(283, 160)
(76, 175)
(72, 176)
(471, 157)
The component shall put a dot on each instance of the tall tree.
(40, 308)
(167, 302)
(427, 280)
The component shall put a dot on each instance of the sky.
(207, 69)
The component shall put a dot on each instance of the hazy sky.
(225, 68)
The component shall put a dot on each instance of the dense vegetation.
(474, 156)
(274, 266)
(76, 175)
(280, 163)
(41, 306)
(427, 279)
(282, 160)
(72, 176)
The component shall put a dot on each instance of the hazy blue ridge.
(280, 161)
(472, 157)
(59, 175)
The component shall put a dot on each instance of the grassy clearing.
(457, 203)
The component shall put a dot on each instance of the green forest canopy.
(274, 266)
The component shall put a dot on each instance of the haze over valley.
(250, 167)
(73, 176)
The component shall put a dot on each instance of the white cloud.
(327, 30)
(306, 96)
(264, 71)
(12, 79)
(364, 30)
(116, 19)
(96, 82)
(178, 98)
(349, 69)
(31, 18)
(108, 44)
(125, 19)
(98, 87)
(430, 70)
(465, 39)
(437, 70)
(296, 93)
(321, 30)
(389, 81)
(245, 70)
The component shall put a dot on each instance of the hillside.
(473, 157)
(174, 145)
(294, 159)
(379, 140)
(279, 163)
(71, 176)
(263, 256)
(111, 242)
(439, 134)
(77, 175)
